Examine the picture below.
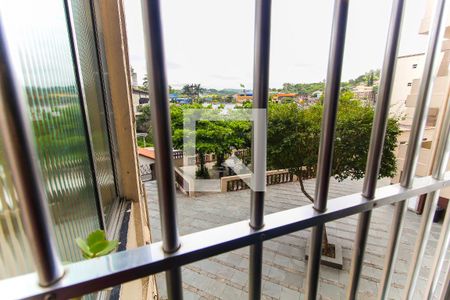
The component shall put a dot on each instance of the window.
(414, 66)
(409, 83)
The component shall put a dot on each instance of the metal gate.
(175, 251)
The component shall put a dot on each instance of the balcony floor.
(226, 276)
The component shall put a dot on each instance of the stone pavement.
(284, 268)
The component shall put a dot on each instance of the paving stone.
(271, 289)
(330, 291)
(330, 273)
(226, 276)
(288, 294)
(231, 293)
(188, 295)
(240, 278)
(368, 288)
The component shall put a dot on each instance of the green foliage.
(368, 79)
(192, 90)
(145, 83)
(247, 104)
(287, 100)
(218, 137)
(143, 118)
(294, 137)
(96, 245)
(303, 88)
(144, 125)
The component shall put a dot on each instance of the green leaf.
(96, 245)
(108, 248)
(95, 237)
(84, 247)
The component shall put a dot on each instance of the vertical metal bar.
(415, 141)
(174, 281)
(151, 16)
(23, 158)
(445, 293)
(259, 141)
(439, 168)
(424, 95)
(376, 142)
(392, 247)
(255, 271)
(83, 107)
(325, 159)
(260, 99)
(439, 255)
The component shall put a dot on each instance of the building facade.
(403, 104)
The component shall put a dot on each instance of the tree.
(218, 137)
(145, 83)
(144, 123)
(192, 90)
(293, 139)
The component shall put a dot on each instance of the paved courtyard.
(226, 276)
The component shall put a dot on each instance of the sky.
(211, 41)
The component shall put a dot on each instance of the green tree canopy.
(294, 135)
(293, 140)
(218, 137)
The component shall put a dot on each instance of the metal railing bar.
(259, 140)
(439, 167)
(392, 247)
(424, 95)
(158, 89)
(439, 255)
(325, 158)
(261, 96)
(444, 238)
(415, 140)
(23, 159)
(96, 274)
(376, 142)
(255, 271)
(445, 293)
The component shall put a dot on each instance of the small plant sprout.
(96, 245)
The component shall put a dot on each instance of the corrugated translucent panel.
(39, 37)
(92, 87)
(15, 255)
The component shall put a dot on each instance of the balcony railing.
(55, 281)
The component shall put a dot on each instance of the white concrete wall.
(405, 73)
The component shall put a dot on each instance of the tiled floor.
(226, 276)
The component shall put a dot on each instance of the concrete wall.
(404, 74)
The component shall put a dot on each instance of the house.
(365, 93)
(242, 97)
(409, 68)
(317, 94)
(139, 97)
(404, 102)
(281, 97)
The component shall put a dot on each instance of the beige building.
(409, 68)
(365, 93)
(139, 98)
(241, 98)
(403, 103)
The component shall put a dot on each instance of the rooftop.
(148, 152)
(284, 269)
